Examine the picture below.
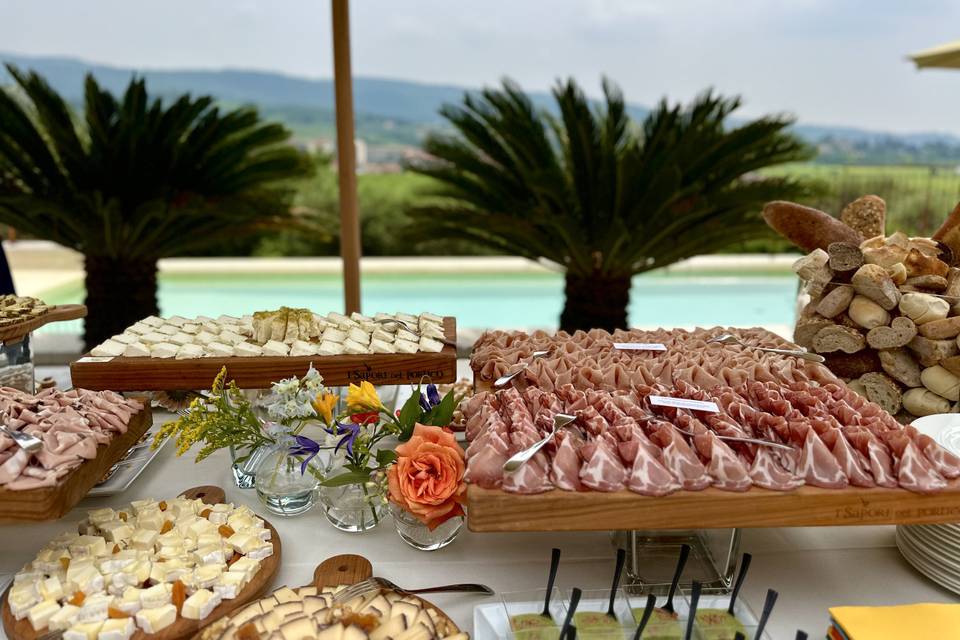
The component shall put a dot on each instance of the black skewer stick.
(739, 636)
(645, 618)
(681, 563)
(572, 633)
(621, 558)
(694, 601)
(574, 603)
(554, 565)
(801, 635)
(744, 566)
(767, 610)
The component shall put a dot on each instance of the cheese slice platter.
(314, 611)
(148, 362)
(81, 587)
(18, 327)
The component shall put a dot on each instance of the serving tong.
(729, 338)
(518, 459)
(504, 380)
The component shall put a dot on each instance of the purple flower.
(349, 431)
(430, 399)
(304, 447)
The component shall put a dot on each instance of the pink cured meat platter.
(631, 463)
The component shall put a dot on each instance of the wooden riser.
(495, 510)
(155, 374)
(15, 332)
(51, 503)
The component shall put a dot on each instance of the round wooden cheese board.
(339, 570)
(183, 627)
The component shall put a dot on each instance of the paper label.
(95, 359)
(684, 403)
(640, 346)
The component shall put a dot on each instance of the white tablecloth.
(811, 568)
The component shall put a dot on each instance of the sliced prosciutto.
(602, 469)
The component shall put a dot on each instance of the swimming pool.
(504, 300)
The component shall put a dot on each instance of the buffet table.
(812, 568)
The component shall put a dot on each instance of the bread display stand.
(158, 374)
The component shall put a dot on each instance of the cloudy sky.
(828, 61)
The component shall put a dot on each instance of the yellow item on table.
(940, 621)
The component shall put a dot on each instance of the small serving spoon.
(681, 563)
(504, 380)
(767, 610)
(741, 575)
(621, 559)
(518, 459)
(694, 601)
(729, 338)
(571, 610)
(554, 565)
(645, 618)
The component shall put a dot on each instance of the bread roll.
(901, 366)
(923, 402)
(930, 352)
(836, 302)
(918, 264)
(807, 228)
(867, 313)
(808, 327)
(898, 273)
(815, 271)
(874, 282)
(941, 382)
(866, 215)
(854, 365)
(941, 329)
(882, 390)
(837, 338)
(899, 334)
(923, 307)
(845, 256)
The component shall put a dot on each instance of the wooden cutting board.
(152, 374)
(50, 503)
(182, 628)
(15, 332)
(339, 570)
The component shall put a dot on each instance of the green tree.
(597, 195)
(136, 180)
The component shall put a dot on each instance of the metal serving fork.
(763, 443)
(729, 338)
(376, 584)
(27, 442)
(504, 380)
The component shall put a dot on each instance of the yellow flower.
(363, 398)
(323, 404)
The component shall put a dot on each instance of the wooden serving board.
(556, 510)
(50, 503)
(57, 313)
(183, 627)
(155, 374)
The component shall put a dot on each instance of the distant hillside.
(400, 112)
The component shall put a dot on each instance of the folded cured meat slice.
(723, 465)
(879, 460)
(817, 465)
(768, 474)
(679, 458)
(14, 465)
(602, 469)
(531, 477)
(947, 464)
(914, 472)
(648, 476)
(565, 466)
(853, 463)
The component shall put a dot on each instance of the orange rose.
(427, 478)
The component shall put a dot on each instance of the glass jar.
(419, 536)
(284, 485)
(243, 465)
(353, 508)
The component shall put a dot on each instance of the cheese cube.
(225, 319)
(246, 350)
(403, 334)
(199, 527)
(50, 589)
(153, 321)
(144, 539)
(116, 531)
(210, 554)
(243, 542)
(189, 351)
(177, 321)
(108, 349)
(379, 334)
(139, 328)
(219, 350)
(168, 571)
(200, 604)
(432, 331)
(210, 327)
(204, 337)
(99, 516)
(117, 629)
(64, 618)
(78, 565)
(151, 519)
(304, 628)
(88, 580)
(139, 572)
(168, 330)
(230, 584)
(359, 335)
(190, 327)
(430, 345)
(180, 338)
(219, 513)
(405, 346)
(328, 348)
(155, 596)
(130, 600)
(275, 348)
(136, 350)
(48, 560)
(139, 506)
(229, 337)
(40, 614)
(207, 575)
(246, 566)
(353, 347)
(262, 550)
(380, 346)
(431, 317)
(163, 350)
(154, 619)
(21, 602)
(94, 607)
(301, 348)
(152, 338)
(332, 334)
(83, 631)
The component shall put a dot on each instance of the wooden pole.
(346, 156)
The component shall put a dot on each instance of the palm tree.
(135, 181)
(590, 191)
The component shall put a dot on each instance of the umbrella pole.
(346, 156)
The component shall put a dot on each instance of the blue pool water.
(507, 300)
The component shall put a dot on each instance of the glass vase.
(419, 536)
(283, 486)
(243, 466)
(353, 508)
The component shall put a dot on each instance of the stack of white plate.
(934, 549)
